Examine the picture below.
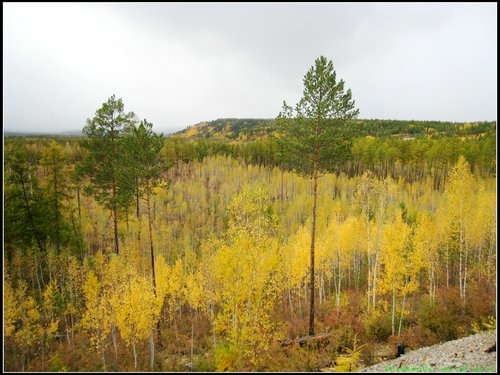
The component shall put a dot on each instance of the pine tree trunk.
(79, 205)
(150, 227)
(313, 238)
(369, 281)
(339, 276)
(137, 197)
(115, 222)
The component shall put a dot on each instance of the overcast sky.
(179, 64)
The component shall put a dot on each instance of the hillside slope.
(229, 129)
(233, 129)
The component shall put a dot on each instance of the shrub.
(489, 323)
(377, 325)
(227, 358)
(441, 321)
(56, 364)
(351, 360)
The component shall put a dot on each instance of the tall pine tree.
(110, 175)
(144, 148)
(312, 139)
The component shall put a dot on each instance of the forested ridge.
(250, 129)
(410, 157)
(246, 245)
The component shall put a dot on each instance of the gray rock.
(463, 355)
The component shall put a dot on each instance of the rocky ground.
(463, 355)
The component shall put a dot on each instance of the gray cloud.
(179, 64)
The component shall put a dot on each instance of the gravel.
(463, 355)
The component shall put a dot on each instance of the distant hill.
(66, 133)
(229, 129)
(233, 129)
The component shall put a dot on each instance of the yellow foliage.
(96, 318)
(10, 309)
(49, 298)
(459, 189)
(246, 275)
(349, 362)
(21, 317)
(426, 242)
(175, 287)
(135, 310)
(395, 257)
(490, 323)
(162, 274)
(226, 358)
(195, 289)
(52, 328)
(297, 257)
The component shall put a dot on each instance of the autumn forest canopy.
(292, 244)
